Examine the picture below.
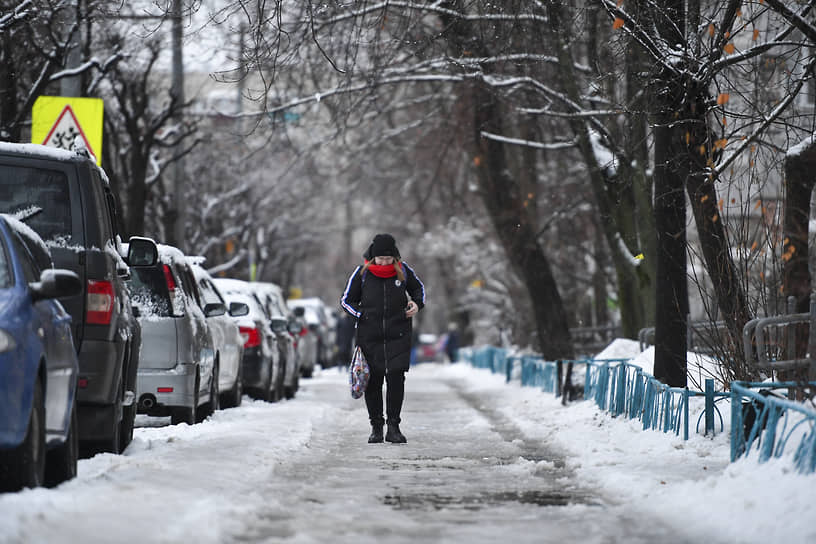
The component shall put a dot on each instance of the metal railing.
(769, 343)
(760, 420)
(776, 421)
(702, 335)
(615, 385)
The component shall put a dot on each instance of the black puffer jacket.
(383, 331)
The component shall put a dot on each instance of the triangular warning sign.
(65, 129)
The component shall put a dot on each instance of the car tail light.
(99, 302)
(168, 277)
(251, 336)
(304, 331)
(164, 390)
(82, 383)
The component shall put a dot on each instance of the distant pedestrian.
(452, 343)
(383, 294)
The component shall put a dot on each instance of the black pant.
(395, 392)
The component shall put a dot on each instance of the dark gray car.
(66, 198)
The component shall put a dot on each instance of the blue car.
(38, 364)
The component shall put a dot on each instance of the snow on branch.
(87, 65)
(382, 7)
(223, 267)
(529, 143)
(20, 12)
(796, 19)
(223, 197)
(634, 260)
(570, 115)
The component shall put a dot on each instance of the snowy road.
(301, 471)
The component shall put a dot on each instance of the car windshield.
(38, 197)
(148, 289)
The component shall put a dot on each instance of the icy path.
(301, 471)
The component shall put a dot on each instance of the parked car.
(66, 199)
(282, 322)
(317, 318)
(38, 364)
(261, 366)
(178, 374)
(226, 337)
(429, 349)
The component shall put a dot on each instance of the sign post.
(57, 120)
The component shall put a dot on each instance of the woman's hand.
(411, 309)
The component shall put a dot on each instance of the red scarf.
(383, 270)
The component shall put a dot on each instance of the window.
(30, 268)
(209, 293)
(41, 195)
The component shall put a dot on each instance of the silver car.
(308, 338)
(317, 317)
(261, 369)
(226, 337)
(177, 373)
(286, 328)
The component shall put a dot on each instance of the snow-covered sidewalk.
(485, 461)
(663, 476)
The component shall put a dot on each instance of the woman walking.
(383, 295)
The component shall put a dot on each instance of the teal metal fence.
(767, 422)
(760, 419)
(617, 386)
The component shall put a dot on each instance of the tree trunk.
(799, 184)
(503, 199)
(671, 286)
(613, 223)
(670, 172)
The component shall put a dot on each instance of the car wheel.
(128, 413)
(279, 390)
(61, 462)
(238, 391)
(24, 466)
(232, 398)
(213, 403)
(186, 414)
(127, 424)
(290, 390)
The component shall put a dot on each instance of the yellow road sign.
(57, 120)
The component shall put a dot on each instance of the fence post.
(509, 369)
(620, 394)
(685, 413)
(709, 406)
(737, 436)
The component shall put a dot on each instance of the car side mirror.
(142, 252)
(278, 325)
(55, 283)
(238, 309)
(300, 311)
(214, 309)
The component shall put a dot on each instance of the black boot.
(376, 435)
(394, 435)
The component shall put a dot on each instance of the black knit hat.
(383, 245)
